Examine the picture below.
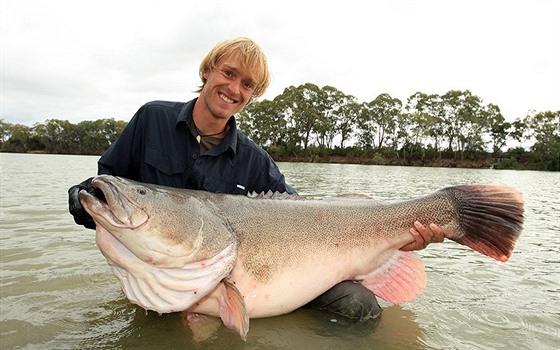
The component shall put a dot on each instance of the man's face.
(228, 88)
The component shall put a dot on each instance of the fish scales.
(320, 228)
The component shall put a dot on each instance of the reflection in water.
(130, 327)
(57, 291)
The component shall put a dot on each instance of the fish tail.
(490, 218)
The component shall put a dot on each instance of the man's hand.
(424, 236)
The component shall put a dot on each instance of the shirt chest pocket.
(164, 163)
(221, 177)
(222, 185)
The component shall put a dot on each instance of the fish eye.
(141, 191)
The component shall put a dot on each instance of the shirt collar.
(230, 141)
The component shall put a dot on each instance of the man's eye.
(228, 73)
(249, 86)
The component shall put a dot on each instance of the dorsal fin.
(274, 195)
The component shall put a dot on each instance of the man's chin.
(226, 110)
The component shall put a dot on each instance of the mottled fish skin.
(276, 251)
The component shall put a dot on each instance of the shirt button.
(194, 156)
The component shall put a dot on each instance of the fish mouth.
(108, 205)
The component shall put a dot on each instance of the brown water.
(56, 290)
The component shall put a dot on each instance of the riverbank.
(480, 161)
(485, 163)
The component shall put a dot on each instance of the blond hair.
(252, 57)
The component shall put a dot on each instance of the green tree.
(331, 101)
(384, 112)
(463, 121)
(14, 137)
(405, 134)
(5, 132)
(546, 131)
(303, 107)
(367, 127)
(94, 137)
(498, 128)
(429, 110)
(60, 136)
(519, 130)
(347, 118)
(264, 123)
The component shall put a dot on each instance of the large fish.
(240, 257)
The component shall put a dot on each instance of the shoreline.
(437, 163)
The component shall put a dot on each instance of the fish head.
(165, 249)
(116, 203)
(160, 225)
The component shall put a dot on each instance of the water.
(57, 291)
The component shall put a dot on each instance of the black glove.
(81, 217)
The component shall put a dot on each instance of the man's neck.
(206, 123)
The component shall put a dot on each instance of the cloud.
(74, 60)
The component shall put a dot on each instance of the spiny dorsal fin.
(274, 195)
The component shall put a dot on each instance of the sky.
(85, 60)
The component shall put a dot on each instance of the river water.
(57, 291)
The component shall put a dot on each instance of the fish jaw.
(116, 211)
(161, 289)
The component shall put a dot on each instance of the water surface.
(57, 292)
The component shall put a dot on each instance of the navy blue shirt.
(157, 147)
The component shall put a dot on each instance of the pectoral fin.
(401, 279)
(232, 309)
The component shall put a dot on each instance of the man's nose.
(234, 86)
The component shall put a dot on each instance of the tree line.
(309, 123)
(60, 136)
(425, 129)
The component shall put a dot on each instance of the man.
(197, 145)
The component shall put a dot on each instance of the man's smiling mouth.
(226, 99)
